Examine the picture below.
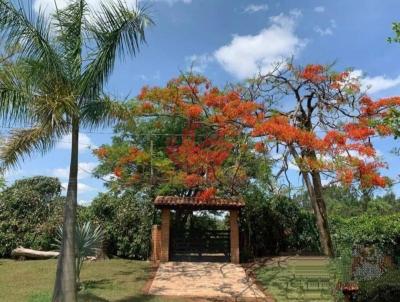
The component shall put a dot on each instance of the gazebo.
(161, 234)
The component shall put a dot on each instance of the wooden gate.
(206, 245)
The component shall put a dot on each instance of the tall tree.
(317, 122)
(55, 86)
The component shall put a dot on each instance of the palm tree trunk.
(65, 289)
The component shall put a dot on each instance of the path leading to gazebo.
(225, 281)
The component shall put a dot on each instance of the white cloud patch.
(82, 188)
(319, 9)
(254, 8)
(198, 63)
(377, 83)
(14, 173)
(327, 31)
(246, 55)
(85, 170)
(85, 143)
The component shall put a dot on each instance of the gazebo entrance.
(199, 245)
(169, 244)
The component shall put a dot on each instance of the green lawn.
(298, 279)
(109, 280)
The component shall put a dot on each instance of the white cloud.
(319, 9)
(198, 63)
(109, 177)
(14, 173)
(155, 77)
(244, 56)
(254, 8)
(327, 31)
(49, 5)
(84, 170)
(82, 188)
(377, 83)
(323, 31)
(85, 143)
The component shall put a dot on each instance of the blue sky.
(228, 40)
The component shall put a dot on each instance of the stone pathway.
(205, 280)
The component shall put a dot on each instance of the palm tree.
(55, 86)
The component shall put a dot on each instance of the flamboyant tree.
(318, 121)
(310, 117)
(194, 140)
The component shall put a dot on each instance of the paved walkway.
(205, 280)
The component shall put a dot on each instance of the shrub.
(89, 241)
(383, 289)
(270, 225)
(381, 231)
(30, 211)
(126, 221)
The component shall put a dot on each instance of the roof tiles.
(195, 202)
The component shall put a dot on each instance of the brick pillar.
(233, 219)
(155, 243)
(165, 225)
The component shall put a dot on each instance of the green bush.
(381, 231)
(271, 225)
(383, 289)
(126, 221)
(30, 212)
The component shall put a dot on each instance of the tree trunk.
(65, 289)
(314, 189)
(321, 216)
(366, 198)
(23, 253)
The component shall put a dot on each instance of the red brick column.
(233, 219)
(165, 225)
(155, 243)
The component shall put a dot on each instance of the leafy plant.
(383, 289)
(89, 241)
(30, 211)
(126, 220)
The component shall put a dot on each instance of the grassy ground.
(109, 280)
(298, 279)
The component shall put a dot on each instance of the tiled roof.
(195, 202)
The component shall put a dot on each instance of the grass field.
(109, 280)
(298, 279)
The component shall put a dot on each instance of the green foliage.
(383, 289)
(126, 220)
(271, 225)
(154, 167)
(396, 30)
(30, 211)
(89, 242)
(382, 231)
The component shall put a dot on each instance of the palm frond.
(29, 94)
(116, 29)
(17, 27)
(69, 26)
(15, 95)
(103, 112)
(24, 142)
